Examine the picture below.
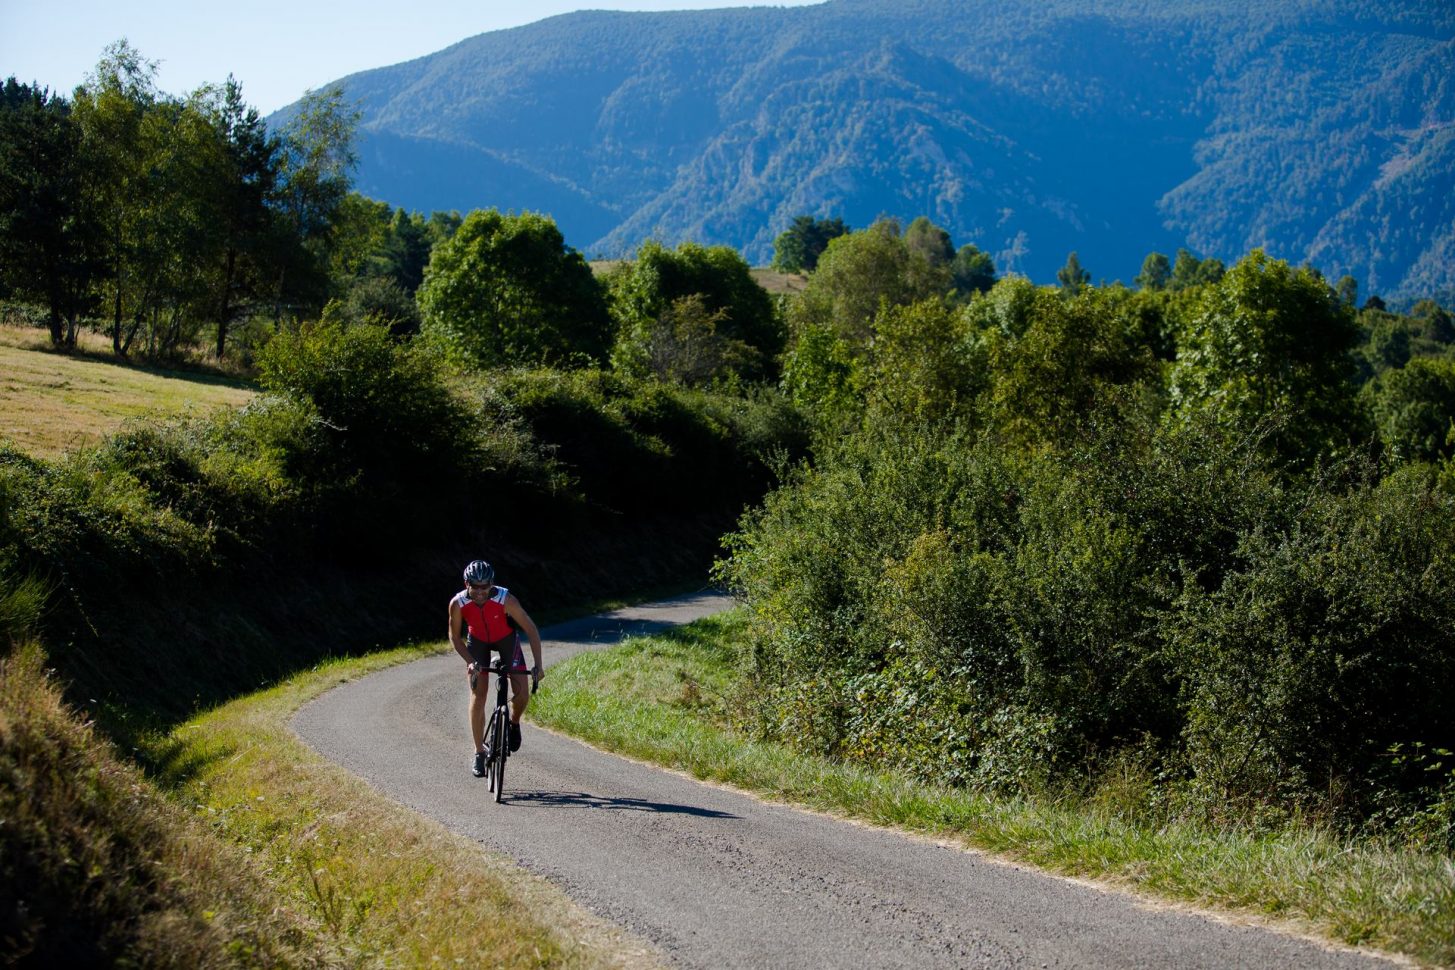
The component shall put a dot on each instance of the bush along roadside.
(185, 563)
(674, 699)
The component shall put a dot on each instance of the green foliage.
(1156, 272)
(1267, 339)
(1072, 277)
(731, 330)
(972, 271)
(50, 234)
(1414, 409)
(506, 289)
(797, 248)
(1333, 642)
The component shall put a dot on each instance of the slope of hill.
(1323, 131)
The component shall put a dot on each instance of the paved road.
(721, 880)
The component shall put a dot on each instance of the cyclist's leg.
(479, 692)
(519, 681)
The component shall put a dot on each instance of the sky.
(277, 49)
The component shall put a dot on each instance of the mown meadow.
(1185, 546)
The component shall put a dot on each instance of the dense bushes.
(186, 562)
(1048, 535)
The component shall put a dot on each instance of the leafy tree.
(245, 182)
(1439, 324)
(1156, 272)
(318, 158)
(1270, 342)
(1414, 409)
(51, 244)
(857, 273)
(657, 282)
(686, 344)
(929, 241)
(111, 107)
(972, 271)
(506, 289)
(1347, 290)
(1072, 277)
(1053, 362)
(797, 248)
(1189, 271)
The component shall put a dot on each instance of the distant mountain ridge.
(1323, 131)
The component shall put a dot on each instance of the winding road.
(717, 879)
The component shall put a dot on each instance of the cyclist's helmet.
(479, 573)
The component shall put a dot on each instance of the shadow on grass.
(563, 799)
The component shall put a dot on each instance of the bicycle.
(497, 732)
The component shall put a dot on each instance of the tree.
(857, 272)
(318, 159)
(1156, 272)
(659, 279)
(249, 168)
(1268, 342)
(1348, 290)
(929, 241)
(797, 248)
(1189, 271)
(972, 271)
(1414, 409)
(506, 289)
(1072, 277)
(51, 244)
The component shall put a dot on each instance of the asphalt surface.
(717, 879)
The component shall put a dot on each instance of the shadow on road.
(564, 799)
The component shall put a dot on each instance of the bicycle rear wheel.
(500, 734)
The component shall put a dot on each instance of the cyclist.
(484, 618)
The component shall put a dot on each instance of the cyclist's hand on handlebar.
(535, 678)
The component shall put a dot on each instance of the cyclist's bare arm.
(457, 638)
(522, 619)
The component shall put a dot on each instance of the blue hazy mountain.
(1321, 130)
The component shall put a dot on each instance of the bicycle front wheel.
(500, 733)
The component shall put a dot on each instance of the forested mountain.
(1323, 131)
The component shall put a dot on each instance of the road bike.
(497, 732)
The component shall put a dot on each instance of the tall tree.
(51, 245)
(318, 160)
(929, 241)
(1072, 277)
(1156, 272)
(111, 107)
(797, 248)
(973, 271)
(249, 164)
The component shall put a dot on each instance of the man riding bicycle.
(485, 618)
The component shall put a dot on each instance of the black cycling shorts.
(508, 648)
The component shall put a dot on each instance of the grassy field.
(662, 699)
(52, 402)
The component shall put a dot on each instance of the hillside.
(1323, 131)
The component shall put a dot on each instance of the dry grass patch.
(53, 402)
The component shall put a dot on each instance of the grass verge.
(663, 699)
(384, 886)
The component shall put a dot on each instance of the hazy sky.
(277, 49)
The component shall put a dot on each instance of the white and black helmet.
(479, 573)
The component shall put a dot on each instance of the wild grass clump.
(98, 869)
